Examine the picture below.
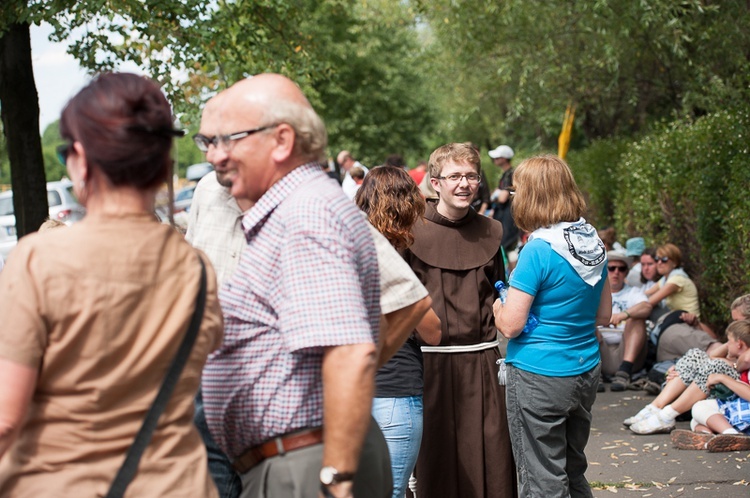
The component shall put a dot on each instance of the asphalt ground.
(622, 463)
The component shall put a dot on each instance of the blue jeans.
(226, 479)
(400, 420)
(550, 421)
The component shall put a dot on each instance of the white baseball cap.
(502, 151)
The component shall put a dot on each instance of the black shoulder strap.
(130, 466)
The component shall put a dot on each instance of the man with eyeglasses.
(215, 216)
(630, 308)
(215, 227)
(466, 449)
(288, 394)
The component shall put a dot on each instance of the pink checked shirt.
(307, 279)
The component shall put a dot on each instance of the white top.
(626, 298)
(348, 184)
(399, 286)
(215, 226)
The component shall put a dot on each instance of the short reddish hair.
(124, 123)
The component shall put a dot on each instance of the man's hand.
(690, 319)
(617, 318)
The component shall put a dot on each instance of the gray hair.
(311, 136)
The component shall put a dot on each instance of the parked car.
(184, 198)
(197, 171)
(63, 206)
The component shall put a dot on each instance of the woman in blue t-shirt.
(553, 369)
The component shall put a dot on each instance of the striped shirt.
(308, 279)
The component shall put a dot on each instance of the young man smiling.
(457, 254)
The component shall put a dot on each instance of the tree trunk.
(19, 108)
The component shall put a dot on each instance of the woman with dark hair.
(553, 369)
(93, 315)
(393, 204)
(649, 275)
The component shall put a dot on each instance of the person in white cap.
(501, 200)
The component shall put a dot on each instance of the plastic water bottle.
(501, 290)
(532, 321)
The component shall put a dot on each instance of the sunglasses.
(614, 268)
(662, 259)
(62, 153)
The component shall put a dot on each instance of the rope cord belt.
(468, 348)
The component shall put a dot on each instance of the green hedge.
(686, 183)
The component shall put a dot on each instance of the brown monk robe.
(466, 449)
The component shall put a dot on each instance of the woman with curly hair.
(393, 204)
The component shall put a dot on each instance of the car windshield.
(53, 198)
(184, 195)
(6, 206)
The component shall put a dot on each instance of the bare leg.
(672, 390)
(634, 338)
(688, 398)
(718, 423)
(703, 428)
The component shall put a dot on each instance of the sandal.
(638, 385)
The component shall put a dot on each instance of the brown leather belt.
(277, 446)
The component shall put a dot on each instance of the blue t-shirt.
(564, 343)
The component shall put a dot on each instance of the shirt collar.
(279, 191)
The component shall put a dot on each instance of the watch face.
(327, 474)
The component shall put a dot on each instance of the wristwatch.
(329, 475)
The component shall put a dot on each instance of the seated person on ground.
(728, 415)
(630, 308)
(687, 381)
(675, 286)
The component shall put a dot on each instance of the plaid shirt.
(215, 226)
(308, 279)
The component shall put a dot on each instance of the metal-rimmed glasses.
(223, 141)
(471, 178)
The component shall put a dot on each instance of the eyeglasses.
(223, 141)
(471, 178)
(62, 153)
(614, 268)
(662, 259)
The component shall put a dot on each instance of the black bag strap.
(129, 467)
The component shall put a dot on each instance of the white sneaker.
(649, 409)
(653, 424)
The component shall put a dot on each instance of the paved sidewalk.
(622, 463)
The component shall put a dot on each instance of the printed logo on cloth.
(584, 245)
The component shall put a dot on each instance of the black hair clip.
(165, 132)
